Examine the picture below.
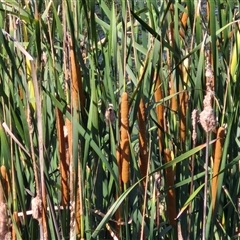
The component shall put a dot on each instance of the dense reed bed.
(101, 104)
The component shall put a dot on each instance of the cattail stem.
(194, 139)
(171, 196)
(205, 189)
(42, 193)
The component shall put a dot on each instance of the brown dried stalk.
(76, 77)
(171, 196)
(173, 101)
(5, 181)
(17, 222)
(183, 97)
(184, 19)
(64, 165)
(68, 125)
(77, 103)
(159, 111)
(216, 163)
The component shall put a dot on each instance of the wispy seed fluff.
(195, 117)
(207, 117)
(110, 114)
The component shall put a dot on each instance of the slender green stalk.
(205, 189)
(145, 196)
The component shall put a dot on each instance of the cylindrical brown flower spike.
(217, 161)
(124, 141)
(143, 156)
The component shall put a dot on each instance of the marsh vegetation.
(119, 119)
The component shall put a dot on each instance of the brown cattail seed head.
(207, 119)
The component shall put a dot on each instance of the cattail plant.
(208, 122)
(123, 150)
(77, 104)
(77, 109)
(86, 52)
